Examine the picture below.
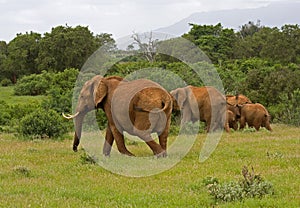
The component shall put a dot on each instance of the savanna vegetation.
(38, 74)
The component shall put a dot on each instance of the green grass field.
(7, 95)
(47, 173)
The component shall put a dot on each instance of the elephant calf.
(255, 115)
(231, 121)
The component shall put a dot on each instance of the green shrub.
(65, 80)
(4, 113)
(251, 186)
(34, 84)
(288, 111)
(42, 124)
(58, 100)
(6, 82)
(40, 84)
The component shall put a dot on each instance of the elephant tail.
(165, 106)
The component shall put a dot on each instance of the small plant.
(87, 159)
(21, 170)
(251, 186)
(275, 155)
(254, 185)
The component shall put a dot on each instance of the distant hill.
(274, 15)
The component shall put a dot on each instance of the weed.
(251, 186)
(87, 159)
(21, 170)
(274, 155)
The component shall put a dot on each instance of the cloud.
(112, 16)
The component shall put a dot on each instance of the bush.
(65, 80)
(58, 100)
(40, 84)
(42, 124)
(4, 113)
(251, 186)
(35, 84)
(288, 111)
(5, 82)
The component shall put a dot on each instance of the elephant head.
(86, 102)
(237, 99)
(185, 101)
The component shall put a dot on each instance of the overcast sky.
(118, 17)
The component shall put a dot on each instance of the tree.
(22, 52)
(148, 48)
(3, 56)
(214, 40)
(249, 29)
(67, 47)
(277, 45)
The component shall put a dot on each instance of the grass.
(46, 173)
(7, 95)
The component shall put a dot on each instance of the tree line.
(261, 62)
(63, 47)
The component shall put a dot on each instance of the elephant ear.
(100, 93)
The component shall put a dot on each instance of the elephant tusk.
(69, 116)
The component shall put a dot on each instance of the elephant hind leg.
(120, 141)
(146, 136)
(156, 149)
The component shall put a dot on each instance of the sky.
(117, 17)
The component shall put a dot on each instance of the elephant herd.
(141, 107)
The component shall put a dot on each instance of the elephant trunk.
(78, 129)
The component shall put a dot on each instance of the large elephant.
(138, 107)
(206, 104)
(255, 115)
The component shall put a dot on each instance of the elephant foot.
(75, 148)
(127, 153)
(161, 154)
(106, 154)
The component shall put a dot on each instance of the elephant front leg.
(109, 140)
(242, 123)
